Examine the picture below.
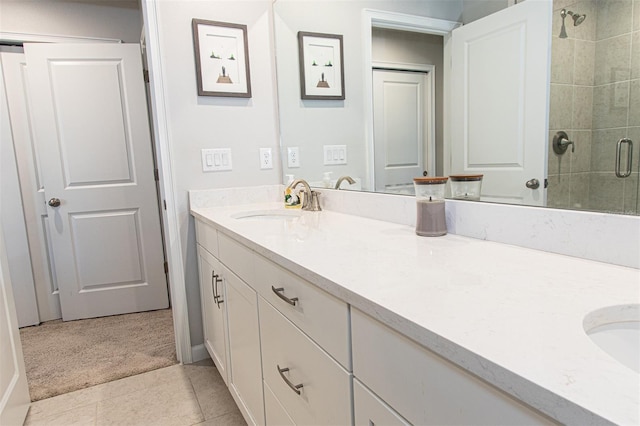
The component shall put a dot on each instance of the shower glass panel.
(595, 99)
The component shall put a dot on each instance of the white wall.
(476, 9)
(70, 18)
(195, 122)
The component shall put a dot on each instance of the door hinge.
(166, 268)
(546, 183)
(156, 174)
(164, 203)
(145, 74)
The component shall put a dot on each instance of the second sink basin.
(616, 330)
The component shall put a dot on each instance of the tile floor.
(180, 395)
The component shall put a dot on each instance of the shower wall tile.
(613, 62)
(562, 4)
(636, 14)
(606, 193)
(581, 157)
(582, 107)
(631, 205)
(603, 149)
(558, 191)
(584, 62)
(610, 105)
(579, 191)
(634, 103)
(614, 18)
(633, 133)
(587, 29)
(635, 53)
(562, 53)
(560, 108)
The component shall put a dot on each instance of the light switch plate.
(214, 160)
(335, 154)
(293, 157)
(266, 159)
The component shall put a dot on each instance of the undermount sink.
(268, 214)
(616, 330)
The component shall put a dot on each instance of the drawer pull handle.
(215, 279)
(279, 291)
(295, 388)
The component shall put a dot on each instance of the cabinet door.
(370, 410)
(214, 315)
(245, 378)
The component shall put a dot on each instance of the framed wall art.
(321, 66)
(222, 59)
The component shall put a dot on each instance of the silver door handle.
(627, 172)
(215, 279)
(54, 202)
(533, 183)
(295, 388)
(278, 291)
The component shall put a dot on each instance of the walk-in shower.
(577, 20)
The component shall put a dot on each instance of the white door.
(399, 118)
(13, 218)
(214, 310)
(14, 392)
(500, 88)
(14, 69)
(91, 129)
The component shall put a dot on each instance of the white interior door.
(13, 218)
(399, 118)
(500, 89)
(34, 208)
(14, 392)
(91, 128)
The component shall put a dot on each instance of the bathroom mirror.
(594, 97)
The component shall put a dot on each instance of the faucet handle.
(313, 204)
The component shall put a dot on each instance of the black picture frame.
(222, 59)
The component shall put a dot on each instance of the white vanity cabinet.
(245, 373)
(422, 387)
(214, 311)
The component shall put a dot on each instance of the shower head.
(577, 18)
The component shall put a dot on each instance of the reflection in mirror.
(594, 98)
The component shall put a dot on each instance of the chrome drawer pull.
(279, 291)
(295, 388)
(215, 279)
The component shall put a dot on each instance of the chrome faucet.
(310, 201)
(347, 178)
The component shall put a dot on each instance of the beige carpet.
(61, 357)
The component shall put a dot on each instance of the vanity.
(332, 318)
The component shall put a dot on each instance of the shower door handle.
(627, 171)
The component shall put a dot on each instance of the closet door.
(92, 132)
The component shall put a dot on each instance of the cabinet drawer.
(371, 410)
(237, 257)
(325, 395)
(207, 237)
(275, 413)
(324, 318)
(424, 388)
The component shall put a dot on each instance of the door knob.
(54, 202)
(533, 183)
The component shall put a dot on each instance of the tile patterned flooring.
(180, 395)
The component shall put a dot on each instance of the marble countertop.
(512, 316)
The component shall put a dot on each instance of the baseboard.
(199, 352)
